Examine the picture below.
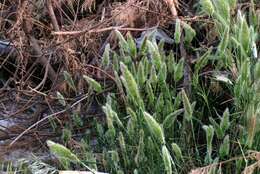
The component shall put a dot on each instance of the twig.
(40, 57)
(102, 71)
(45, 75)
(42, 60)
(186, 18)
(52, 15)
(47, 117)
(36, 91)
(90, 28)
(101, 30)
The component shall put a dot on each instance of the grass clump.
(163, 122)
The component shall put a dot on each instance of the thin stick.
(101, 30)
(41, 58)
(47, 117)
(44, 77)
(104, 72)
(90, 28)
(52, 15)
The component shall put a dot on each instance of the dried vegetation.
(60, 62)
(45, 38)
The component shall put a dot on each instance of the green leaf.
(155, 54)
(207, 6)
(169, 120)
(217, 128)
(223, 11)
(106, 57)
(69, 80)
(209, 136)
(244, 34)
(93, 83)
(161, 46)
(224, 124)
(167, 159)
(150, 93)
(203, 60)
(119, 83)
(122, 42)
(153, 76)
(178, 70)
(188, 111)
(223, 78)
(224, 41)
(232, 4)
(132, 46)
(159, 106)
(61, 152)
(147, 66)
(117, 120)
(77, 120)
(115, 59)
(123, 148)
(131, 85)
(224, 147)
(112, 115)
(143, 48)
(66, 135)
(171, 62)
(154, 127)
(177, 33)
(190, 33)
(132, 113)
(177, 151)
(109, 117)
(61, 99)
(162, 75)
(257, 71)
(141, 76)
(140, 156)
